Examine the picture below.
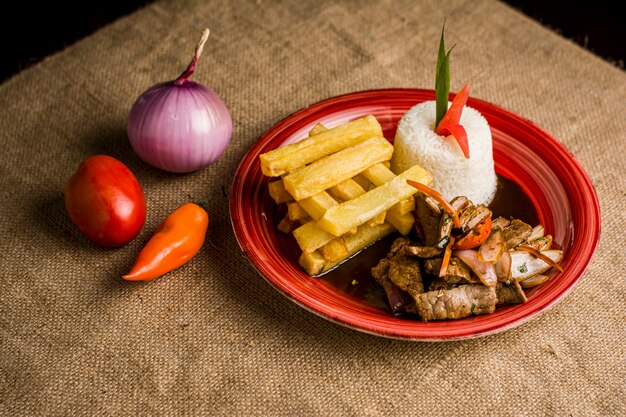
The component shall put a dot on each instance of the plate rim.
(334, 100)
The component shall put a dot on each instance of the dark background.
(31, 32)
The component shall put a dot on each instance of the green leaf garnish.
(442, 79)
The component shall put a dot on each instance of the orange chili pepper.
(174, 243)
(440, 199)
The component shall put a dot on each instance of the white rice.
(417, 143)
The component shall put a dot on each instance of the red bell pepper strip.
(449, 125)
(459, 133)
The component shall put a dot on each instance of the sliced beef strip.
(428, 214)
(399, 301)
(541, 243)
(432, 266)
(500, 222)
(440, 284)
(471, 216)
(516, 233)
(404, 271)
(457, 273)
(510, 294)
(422, 251)
(445, 224)
(456, 303)
(460, 202)
(398, 244)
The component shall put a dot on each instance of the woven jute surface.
(213, 338)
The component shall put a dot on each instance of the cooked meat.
(445, 230)
(440, 284)
(459, 203)
(381, 271)
(432, 266)
(445, 224)
(428, 214)
(510, 294)
(457, 273)
(516, 233)
(399, 301)
(471, 216)
(398, 244)
(397, 274)
(404, 271)
(456, 303)
(500, 222)
(541, 243)
(422, 251)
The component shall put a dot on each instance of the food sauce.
(353, 276)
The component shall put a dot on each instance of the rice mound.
(417, 143)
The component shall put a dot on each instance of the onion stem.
(192, 65)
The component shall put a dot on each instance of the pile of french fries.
(340, 194)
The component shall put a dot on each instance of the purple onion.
(180, 125)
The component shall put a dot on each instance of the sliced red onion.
(180, 126)
(486, 272)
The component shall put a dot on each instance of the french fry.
(317, 129)
(406, 206)
(376, 220)
(336, 168)
(313, 263)
(295, 212)
(379, 174)
(402, 222)
(339, 219)
(317, 205)
(278, 192)
(310, 237)
(362, 181)
(286, 159)
(347, 190)
(334, 250)
(365, 236)
(287, 226)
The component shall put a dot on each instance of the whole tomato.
(105, 201)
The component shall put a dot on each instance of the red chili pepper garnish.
(459, 134)
(449, 125)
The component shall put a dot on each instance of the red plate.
(560, 189)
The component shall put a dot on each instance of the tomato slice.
(475, 237)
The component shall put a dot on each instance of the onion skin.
(179, 128)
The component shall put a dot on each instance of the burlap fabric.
(214, 337)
